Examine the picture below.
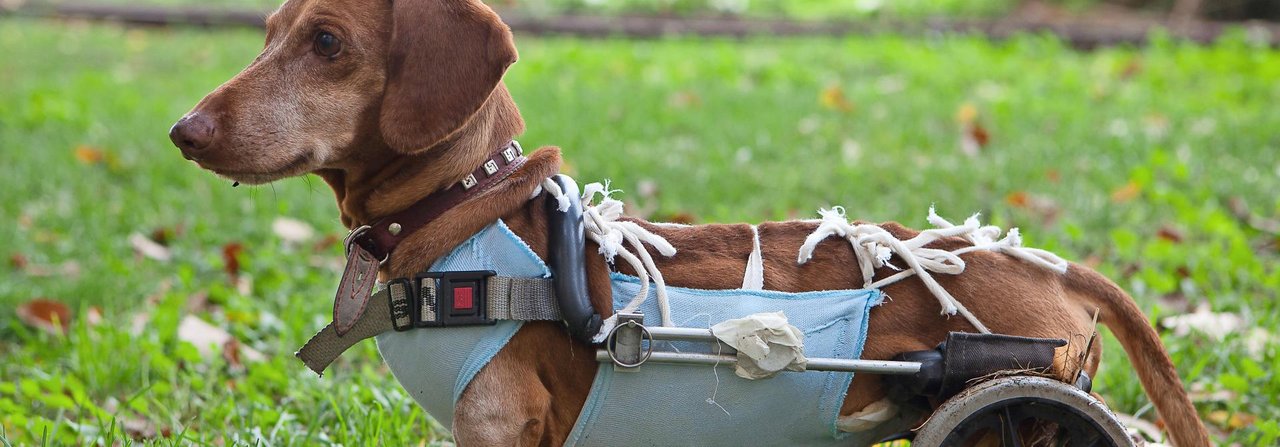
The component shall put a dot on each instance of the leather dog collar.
(381, 237)
(369, 246)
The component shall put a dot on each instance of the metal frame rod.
(815, 364)
(681, 334)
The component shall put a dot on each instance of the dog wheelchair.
(987, 383)
(991, 387)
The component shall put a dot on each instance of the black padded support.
(948, 369)
(969, 356)
(567, 260)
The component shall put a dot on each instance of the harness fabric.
(658, 404)
(429, 361)
(665, 404)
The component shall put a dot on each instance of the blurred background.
(145, 301)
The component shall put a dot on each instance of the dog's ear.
(444, 60)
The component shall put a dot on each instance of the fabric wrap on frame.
(666, 404)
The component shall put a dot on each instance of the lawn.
(1158, 165)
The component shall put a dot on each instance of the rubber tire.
(979, 397)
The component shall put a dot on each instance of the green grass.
(726, 130)
(807, 9)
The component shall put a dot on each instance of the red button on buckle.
(462, 298)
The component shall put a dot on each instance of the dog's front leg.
(530, 393)
(505, 405)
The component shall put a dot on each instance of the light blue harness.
(660, 404)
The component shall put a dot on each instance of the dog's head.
(338, 76)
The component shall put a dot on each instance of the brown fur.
(414, 102)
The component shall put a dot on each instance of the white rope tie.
(874, 246)
(620, 239)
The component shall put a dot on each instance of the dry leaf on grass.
(1215, 325)
(973, 136)
(1170, 233)
(146, 247)
(19, 262)
(45, 314)
(292, 230)
(93, 316)
(1231, 421)
(327, 242)
(1126, 193)
(833, 98)
(1043, 207)
(231, 259)
(207, 337)
(89, 155)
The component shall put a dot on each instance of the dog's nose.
(193, 133)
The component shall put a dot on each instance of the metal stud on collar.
(469, 182)
(394, 229)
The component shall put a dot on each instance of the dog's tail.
(1155, 370)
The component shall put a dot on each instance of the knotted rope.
(874, 246)
(602, 225)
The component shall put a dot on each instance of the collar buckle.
(360, 236)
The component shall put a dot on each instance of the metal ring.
(351, 237)
(644, 333)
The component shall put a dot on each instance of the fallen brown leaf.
(1092, 261)
(141, 429)
(1127, 192)
(231, 259)
(198, 302)
(231, 353)
(1170, 233)
(684, 99)
(207, 337)
(833, 98)
(146, 247)
(1053, 175)
(326, 242)
(967, 113)
(89, 155)
(1231, 421)
(1215, 325)
(93, 316)
(1240, 209)
(979, 134)
(69, 269)
(18, 261)
(165, 235)
(45, 314)
(1017, 199)
(292, 230)
(1131, 68)
(973, 137)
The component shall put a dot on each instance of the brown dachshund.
(389, 101)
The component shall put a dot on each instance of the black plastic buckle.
(458, 299)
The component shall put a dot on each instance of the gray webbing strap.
(324, 347)
(508, 298)
(522, 299)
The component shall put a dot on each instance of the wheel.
(1022, 411)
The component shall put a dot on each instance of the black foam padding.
(567, 260)
(968, 356)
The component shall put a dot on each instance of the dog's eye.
(327, 44)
